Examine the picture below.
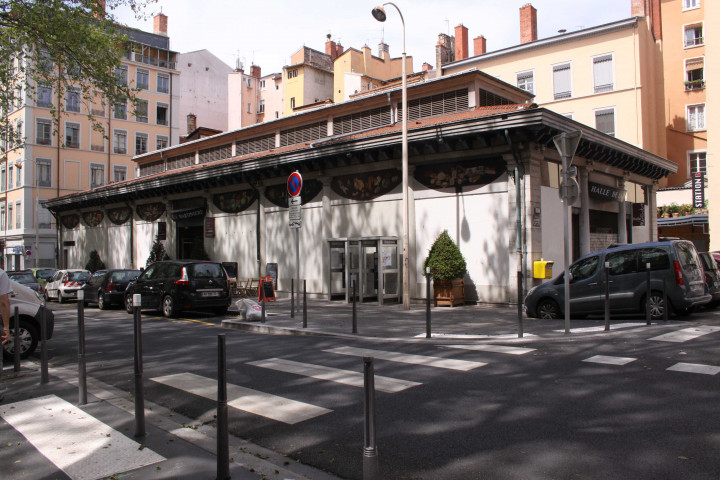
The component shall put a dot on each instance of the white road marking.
(486, 347)
(346, 377)
(76, 442)
(463, 336)
(686, 334)
(695, 368)
(601, 328)
(437, 362)
(610, 360)
(252, 401)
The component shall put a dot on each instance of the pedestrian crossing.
(686, 334)
(425, 360)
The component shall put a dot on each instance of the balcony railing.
(97, 148)
(694, 85)
(694, 42)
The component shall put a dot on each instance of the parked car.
(107, 287)
(64, 284)
(712, 277)
(176, 285)
(716, 256)
(675, 266)
(43, 274)
(26, 278)
(31, 307)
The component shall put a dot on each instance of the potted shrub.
(447, 267)
(673, 209)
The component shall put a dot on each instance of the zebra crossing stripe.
(486, 347)
(427, 361)
(608, 360)
(345, 377)
(76, 442)
(695, 368)
(686, 334)
(252, 401)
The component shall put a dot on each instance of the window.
(72, 135)
(2, 218)
(3, 180)
(161, 114)
(72, 100)
(603, 73)
(141, 111)
(120, 142)
(11, 177)
(622, 263)
(656, 257)
(121, 74)
(262, 84)
(10, 216)
(292, 102)
(44, 97)
(119, 173)
(694, 35)
(584, 268)
(19, 179)
(43, 172)
(690, 4)
(526, 81)
(605, 121)
(695, 118)
(120, 111)
(18, 214)
(562, 81)
(292, 73)
(163, 83)
(97, 175)
(43, 131)
(142, 78)
(141, 143)
(697, 162)
(694, 73)
(161, 141)
(261, 106)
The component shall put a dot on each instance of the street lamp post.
(379, 15)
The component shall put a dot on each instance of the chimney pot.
(528, 23)
(191, 123)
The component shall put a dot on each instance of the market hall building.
(482, 165)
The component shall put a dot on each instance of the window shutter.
(603, 73)
(561, 81)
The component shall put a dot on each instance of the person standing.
(5, 289)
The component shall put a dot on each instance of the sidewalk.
(46, 434)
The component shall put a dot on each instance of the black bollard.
(82, 374)
(607, 296)
(648, 294)
(304, 303)
(16, 340)
(520, 303)
(139, 394)
(262, 295)
(354, 308)
(223, 442)
(371, 470)
(428, 329)
(44, 376)
(292, 298)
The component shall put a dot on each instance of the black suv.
(176, 285)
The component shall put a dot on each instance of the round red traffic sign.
(294, 184)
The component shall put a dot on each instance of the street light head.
(379, 14)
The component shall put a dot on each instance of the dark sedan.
(27, 279)
(107, 287)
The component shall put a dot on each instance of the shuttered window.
(255, 145)
(362, 121)
(486, 99)
(440, 104)
(151, 168)
(562, 81)
(216, 153)
(603, 73)
(605, 121)
(181, 161)
(304, 134)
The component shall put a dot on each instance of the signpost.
(294, 187)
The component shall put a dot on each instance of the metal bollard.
(44, 376)
(354, 308)
(223, 442)
(607, 296)
(371, 470)
(304, 303)
(292, 298)
(139, 394)
(428, 327)
(648, 294)
(16, 340)
(666, 306)
(82, 373)
(520, 304)
(262, 295)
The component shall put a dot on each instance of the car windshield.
(44, 274)
(78, 276)
(23, 277)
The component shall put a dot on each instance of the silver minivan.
(674, 267)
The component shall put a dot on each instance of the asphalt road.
(545, 414)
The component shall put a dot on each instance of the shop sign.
(603, 192)
(698, 190)
(210, 227)
(186, 214)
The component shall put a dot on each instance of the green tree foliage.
(445, 259)
(62, 44)
(157, 252)
(94, 264)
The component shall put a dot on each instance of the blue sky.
(267, 32)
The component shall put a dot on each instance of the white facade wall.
(203, 90)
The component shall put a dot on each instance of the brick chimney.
(461, 42)
(638, 8)
(479, 45)
(444, 50)
(191, 123)
(426, 67)
(255, 71)
(160, 24)
(338, 50)
(330, 47)
(528, 23)
(383, 48)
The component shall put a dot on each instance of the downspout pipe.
(518, 172)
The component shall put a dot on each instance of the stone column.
(622, 214)
(651, 192)
(584, 218)
(326, 232)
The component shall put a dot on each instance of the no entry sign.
(294, 184)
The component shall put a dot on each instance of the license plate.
(210, 294)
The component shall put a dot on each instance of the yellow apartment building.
(69, 157)
(308, 80)
(712, 42)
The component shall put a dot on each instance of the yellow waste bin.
(542, 268)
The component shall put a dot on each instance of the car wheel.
(47, 297)
(657, 306)
(548, 310)
(102, 304)
(168, 307)
(128, 304)
(60, 297)
(29, 338)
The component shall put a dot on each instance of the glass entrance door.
(369, 270)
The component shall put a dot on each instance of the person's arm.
(5, 312)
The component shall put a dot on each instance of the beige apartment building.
(71, 157)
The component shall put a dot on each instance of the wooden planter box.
(449, 292)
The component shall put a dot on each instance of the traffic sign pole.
(294, 187)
